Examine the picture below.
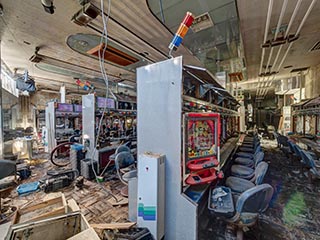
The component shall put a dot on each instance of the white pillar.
(1, 117)
(63, 94)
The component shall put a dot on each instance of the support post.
(1, 110)
(63, 94)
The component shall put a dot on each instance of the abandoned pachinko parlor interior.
(160, 120)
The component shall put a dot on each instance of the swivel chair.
(125, 168)
(239, 184)
(249, 205)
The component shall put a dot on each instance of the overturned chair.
(245, 210)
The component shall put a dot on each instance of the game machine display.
(125, 102)
(187, 131)
(201, 148)
(126, 117)
(63, 122)
(97, 112)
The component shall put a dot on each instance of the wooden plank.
(55, 212)
(40, 205)
(73, 206)
(86, 235)
(114, 225)
(123, 201)
(48, 208)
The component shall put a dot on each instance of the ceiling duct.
(315, 47)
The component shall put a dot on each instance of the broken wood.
(114, 202)
(114, 225)
(46, 209)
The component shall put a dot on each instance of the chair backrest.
(258, 158)
(258, 149)
(123, 160)
(297, 150)
(255, 200)
(260, 172)
(290, 144)
(7, 168)
(307, 159)
(122, 148)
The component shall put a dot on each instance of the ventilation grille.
(113, 55)
(315, 47)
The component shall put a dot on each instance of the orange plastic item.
(202, 163)
(202, 177)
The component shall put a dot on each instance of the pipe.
(297, 32)
(295, 11)
(264, 94)
(262, 87)
(283, 10)
(265, 38)
(266, 31)
(305, 17)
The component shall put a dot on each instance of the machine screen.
(77, 108)
(104, 102)
(201, 138)
(63, 107)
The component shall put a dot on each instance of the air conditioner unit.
(151, 193)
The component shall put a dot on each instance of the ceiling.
(213, 46)
(137, 26)
(253, 16)
(25, 26)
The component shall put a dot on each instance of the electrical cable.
(104, 40)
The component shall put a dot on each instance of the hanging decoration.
(86, 85)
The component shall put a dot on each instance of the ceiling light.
(85, 15)
(38, 58)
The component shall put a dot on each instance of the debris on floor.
(97, 203)
(294, 212)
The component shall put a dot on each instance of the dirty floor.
(93, 199)
(294, 212)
